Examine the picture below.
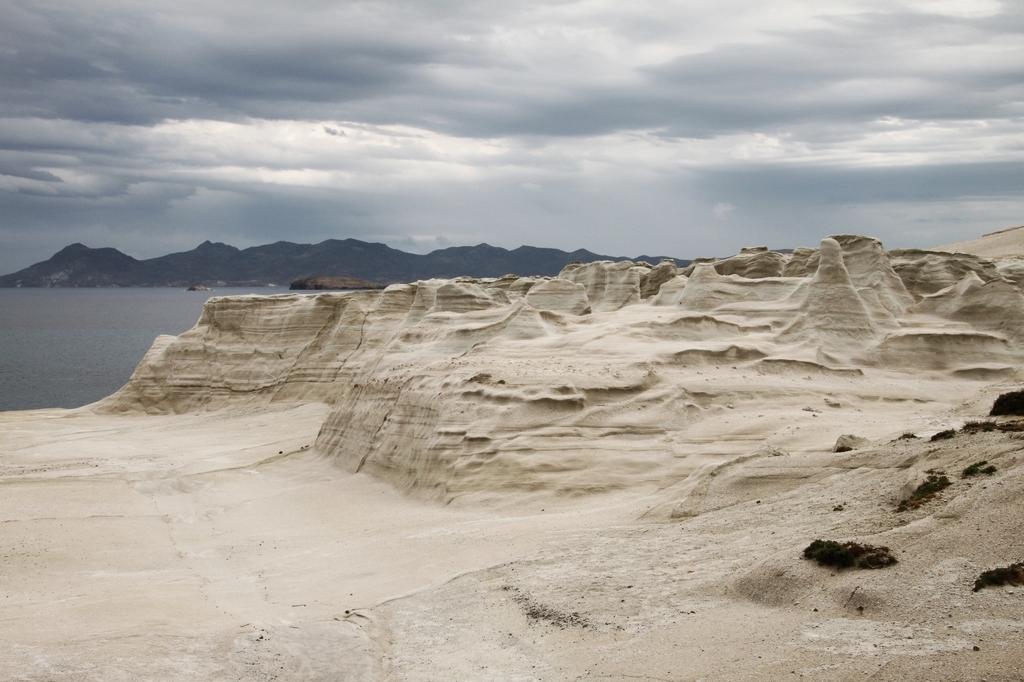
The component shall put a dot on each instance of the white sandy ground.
(184, 547)
(485, 481)
(160, 547)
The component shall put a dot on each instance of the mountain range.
(217, 264)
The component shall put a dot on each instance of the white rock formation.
(671, 292)
(925, 272)
(652, 280)
(753, 263)
(456, 388)
(610, 285)
(559, 295)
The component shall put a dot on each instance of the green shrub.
(1007, 575)
(942, 435)
(848, 554)
(1011, 403)
(1014, 426)
(978, 468)
(976, 427)
(936, 481)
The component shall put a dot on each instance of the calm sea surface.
(69, 347)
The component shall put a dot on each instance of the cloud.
(619, 127)
(485, 71)
(721, 211)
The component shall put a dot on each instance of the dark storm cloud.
(548, 121)
(15, 169)
(131, 67)
(851, 71)
(128, 66)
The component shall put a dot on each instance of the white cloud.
(722, 211)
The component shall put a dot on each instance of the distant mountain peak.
(215, 246)
(218, 264)
(77, 247)
(78, 251)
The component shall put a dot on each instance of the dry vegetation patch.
(1007, 575)
(979, 468)
(979, 427)
(936, 482)
(544, 613)
(1014, 426)
(1008, 404)
(848, 554)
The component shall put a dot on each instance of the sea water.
(70, 347)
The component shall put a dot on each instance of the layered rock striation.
(610, 375)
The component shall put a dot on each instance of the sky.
(683, 128)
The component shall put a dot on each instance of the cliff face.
(611, 375)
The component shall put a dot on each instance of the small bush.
(907, 436)
(979, 427)
(848, 554)
(987, 427)
(1011, 403)
(935, 482)
(1007, 575)
(942, 435)
(978, 468)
